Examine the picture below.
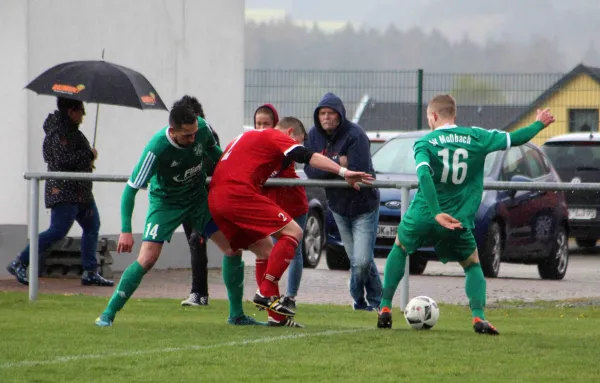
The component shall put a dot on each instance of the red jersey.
(292, 199)
(250, 159)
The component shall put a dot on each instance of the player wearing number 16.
(450, 162)
(172, 163)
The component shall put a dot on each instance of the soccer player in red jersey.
(247, 217)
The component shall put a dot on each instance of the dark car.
(511, 226)
(576, 158)
(315, 228)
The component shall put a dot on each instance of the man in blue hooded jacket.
(356, 212)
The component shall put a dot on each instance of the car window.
(514, 164)
(573, 155)
(535, 163)
(376, 145)
(397, 156)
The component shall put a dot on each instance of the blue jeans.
(62, 217)
(297, 263)
(358, 235)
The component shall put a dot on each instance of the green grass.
(156, 340)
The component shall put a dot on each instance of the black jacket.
(66, 149)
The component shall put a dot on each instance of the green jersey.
(455, 156)
(176, 174)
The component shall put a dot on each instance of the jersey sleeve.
(493, 140)
(283, 143)
(145, 168)
(422, 157)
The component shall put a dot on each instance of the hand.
(545, 117)
(95, 153)
(344, 161)
(125, 243)
(353, 177)
(448, 221)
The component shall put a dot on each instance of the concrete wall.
(182, 47)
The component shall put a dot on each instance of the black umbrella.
(98, 82)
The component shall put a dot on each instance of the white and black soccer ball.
(421, 313)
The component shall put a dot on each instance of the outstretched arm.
(524, 135)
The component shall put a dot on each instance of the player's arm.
(213, 151)
(141, 175)
(426, 185)
(318, 161)
(311, 171)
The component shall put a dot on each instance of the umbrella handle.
(96, 126)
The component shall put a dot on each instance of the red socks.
(279, 260)
(261, 269)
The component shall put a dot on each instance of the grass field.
(156, 340)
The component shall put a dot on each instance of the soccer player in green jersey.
(172, 163)
(450, 163)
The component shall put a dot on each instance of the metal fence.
(395, 100)
(34, 196)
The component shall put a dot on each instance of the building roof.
(402, 116)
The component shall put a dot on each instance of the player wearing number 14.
(450, 162)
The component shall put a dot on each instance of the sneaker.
(195, 299)
(244, 320)
(289, 302)
(272, 303)
(19, 270)
(384, 318)
(93, 278)
(103, 321)
(362, 307)
(287, 322)
(484, 327)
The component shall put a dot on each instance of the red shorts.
(245, 218)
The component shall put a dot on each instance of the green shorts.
(449, 245)
(162, 221)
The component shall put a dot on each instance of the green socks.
(394, 271)
(475, 289)
(130, 280)
(233, 276)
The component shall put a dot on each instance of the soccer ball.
(421, 313)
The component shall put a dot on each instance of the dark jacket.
(66, 149)
(349, 140)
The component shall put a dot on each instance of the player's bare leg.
(394, 271)
(233, 276)
(130, 280)
(267, 295)
(475, 287)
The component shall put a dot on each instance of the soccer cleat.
(384, 318)
(93, 278)
(244, 320)
(289, 302)
(195, 299)
(287, 322)
(104, 321)
(272, 303)
(19, 270)
(484, 327)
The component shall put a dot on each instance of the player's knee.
(473, 259)
(292, 230)
(149, 254)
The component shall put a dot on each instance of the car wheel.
(416, 266)
(586, 243)
(337, 259)
(492, 252)
(312, 242)
(555, 265)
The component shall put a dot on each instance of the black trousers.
(199, 259)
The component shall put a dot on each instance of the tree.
(469, 90)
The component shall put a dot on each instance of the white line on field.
(74, 358)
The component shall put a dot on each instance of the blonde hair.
(444, 105)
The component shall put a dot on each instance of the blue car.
(511, 226)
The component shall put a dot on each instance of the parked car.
(524, 227)
(576, 158)
(315, 228)
(377, 139)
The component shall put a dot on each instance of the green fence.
(393, 100)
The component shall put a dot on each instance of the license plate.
(384, 231)
(582, 213)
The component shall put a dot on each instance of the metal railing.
(404, 186)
